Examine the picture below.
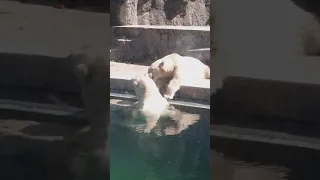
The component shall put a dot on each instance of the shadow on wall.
(114, 20)
(173, 8)
(160, 12)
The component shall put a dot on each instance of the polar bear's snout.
(135, 81)
(150, 73)
(154, 73)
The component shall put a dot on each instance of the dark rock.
(160, 12)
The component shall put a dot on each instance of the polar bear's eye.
(150, 75)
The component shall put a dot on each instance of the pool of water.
(135, 155)
(26, 138)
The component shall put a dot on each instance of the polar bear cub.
(148, 95)
(150, 104)
(176, 69)
(159, 116)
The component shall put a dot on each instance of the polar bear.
(154, 111)
(174, 121)
(150, 104)
(172, 70)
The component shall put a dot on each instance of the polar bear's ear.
(161, 66)
(135, 81)
(81, 71)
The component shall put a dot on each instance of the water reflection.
(40, 148)
(135, 155)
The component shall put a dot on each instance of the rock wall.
(160, 12)
(149, 44)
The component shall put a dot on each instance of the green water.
(136, 156)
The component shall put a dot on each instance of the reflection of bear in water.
(172, 70)
(150, 104)
(155, 112)
(92, 70)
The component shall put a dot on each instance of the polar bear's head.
(145, 88)
(163, 67)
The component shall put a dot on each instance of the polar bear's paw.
(168, 96)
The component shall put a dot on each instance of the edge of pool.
(222, 131)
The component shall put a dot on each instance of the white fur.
(180, 69)
(150, 102)
(149, 97)
(159, 116)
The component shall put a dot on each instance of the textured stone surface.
(160, 12)
(149, 43)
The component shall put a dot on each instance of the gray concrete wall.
(36, 40)
(261, 63)
(257, 40)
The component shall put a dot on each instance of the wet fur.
(150, 102)
(161, 118)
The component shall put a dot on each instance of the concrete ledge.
(134, 30)
(202, 54)
(247, 96)
(77, 115)
(270, 137)
(152, 42)
(121, 74)
(57, 112)
(201, 107)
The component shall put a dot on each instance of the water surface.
(134, 155)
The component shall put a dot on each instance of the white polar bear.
(172, 70)
(150, 104)
(154, 110)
